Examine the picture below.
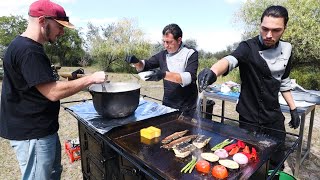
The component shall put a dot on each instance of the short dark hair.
(173, 29)
(276, 11)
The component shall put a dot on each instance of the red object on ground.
(73, 151)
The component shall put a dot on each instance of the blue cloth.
(232, 94)
(145, 110)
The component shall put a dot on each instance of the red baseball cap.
(50, 10)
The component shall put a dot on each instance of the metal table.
(303, 112)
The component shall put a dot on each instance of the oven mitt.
(78, 71)
(132, 59)
(205, 78)
(156, 75)
(295, 119)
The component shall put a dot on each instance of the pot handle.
(91, 92)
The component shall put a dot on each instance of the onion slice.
(240, 158)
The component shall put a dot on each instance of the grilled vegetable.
(240, 158)
(229, 147)
(221, 153)
(219, 171)
(210, 157)
(234, 151)
(203, 166)
(246, 150)
(241, 144)
(222, 144)
(229, 164)
(190, 165)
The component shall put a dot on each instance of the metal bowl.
(118, 100)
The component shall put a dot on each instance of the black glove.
(132, 59)
(295, 119)
(205, 78)
(156, 75)
(78, 71)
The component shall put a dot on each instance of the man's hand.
(132, 59)
(295, 119)
(98, 77)
(205, 78)
(156, 75)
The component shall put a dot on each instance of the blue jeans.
(39, 159)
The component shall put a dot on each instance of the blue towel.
(145, 110)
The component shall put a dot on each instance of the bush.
(307, 77)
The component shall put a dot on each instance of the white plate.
(144, 74)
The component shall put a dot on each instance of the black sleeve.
(192, 65)
(242, 51)
(288, 68)
(36, 69)
(153, 62)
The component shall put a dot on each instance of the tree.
(111, 44)
(10, 27)
(67, 50)
(191, 43)
(303, 29)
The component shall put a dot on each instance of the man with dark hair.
(30, 93)
(264, 62)
(178, 68)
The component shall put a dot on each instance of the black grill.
(122, 154)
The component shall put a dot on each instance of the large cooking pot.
(118, 100)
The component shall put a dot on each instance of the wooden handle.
(69, 75)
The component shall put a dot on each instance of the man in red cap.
(30, 97)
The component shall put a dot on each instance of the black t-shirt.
(25, 112)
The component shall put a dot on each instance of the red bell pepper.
(234, 150)
(246, 149)
(254, 155)
(230, 147)
(248, 155)
(241, 144)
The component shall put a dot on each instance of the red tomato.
(203, 166)
(219, 171)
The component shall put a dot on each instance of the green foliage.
(191, 43)
(10, 27)
(117, 41)
(307, 77)
(67, 50)
(206, 63)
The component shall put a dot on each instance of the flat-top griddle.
(160, 163)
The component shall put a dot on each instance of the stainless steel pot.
(120, 99)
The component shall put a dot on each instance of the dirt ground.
(9, 169)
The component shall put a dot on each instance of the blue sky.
(209, 22)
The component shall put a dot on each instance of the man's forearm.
(289, 99)
(220, 67)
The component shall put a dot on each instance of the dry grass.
(9, 169)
